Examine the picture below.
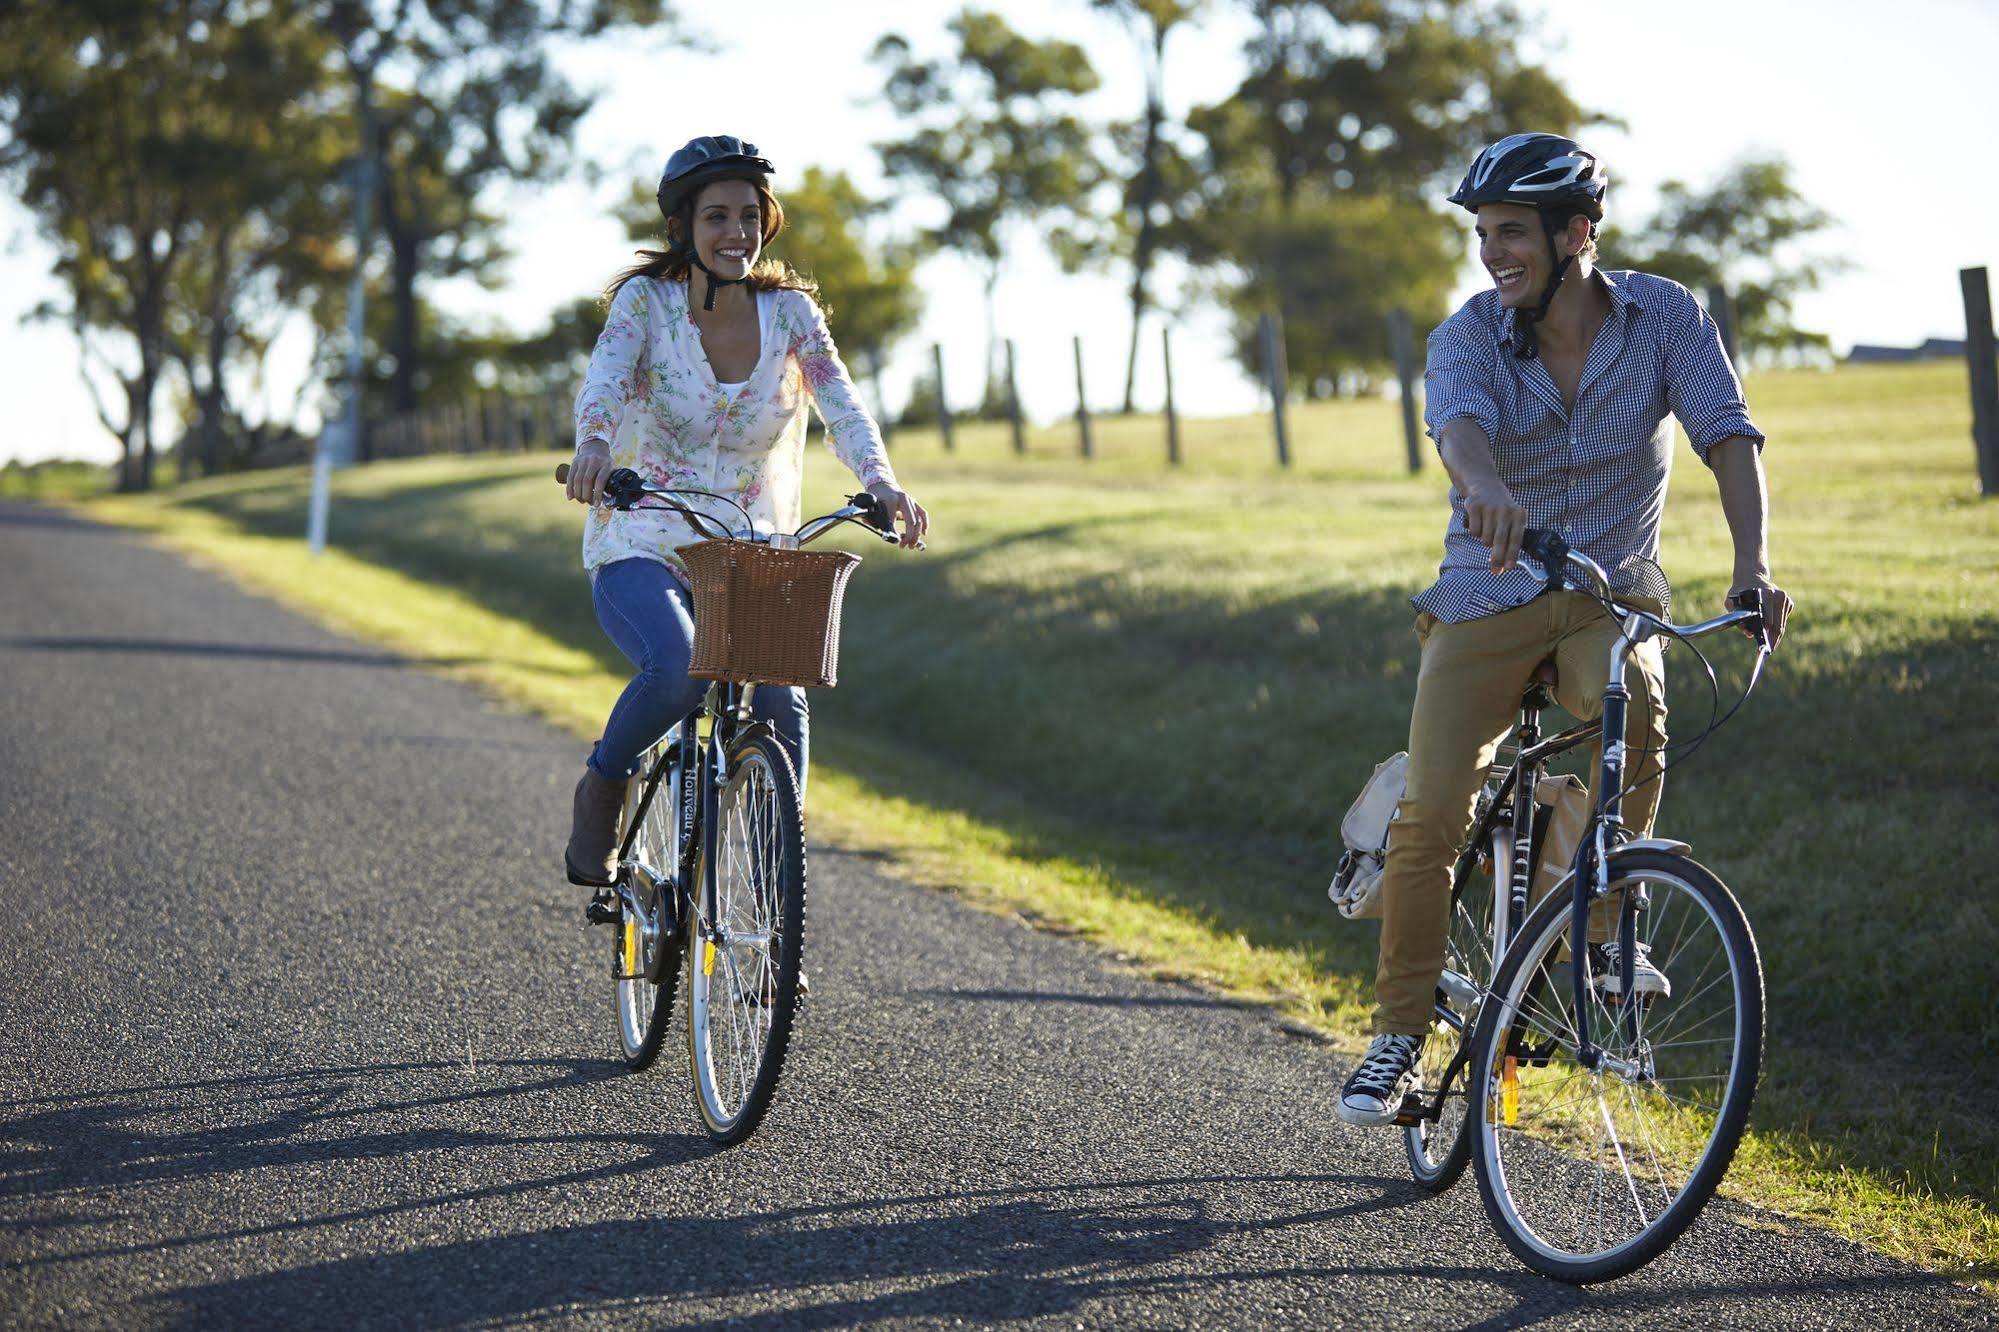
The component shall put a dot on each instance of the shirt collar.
(1622, 301)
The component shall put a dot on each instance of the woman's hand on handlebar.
(899, 504)
(587, 473)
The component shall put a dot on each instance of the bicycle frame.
(1513, 875)
(703, 766)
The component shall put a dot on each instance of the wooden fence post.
(943, 408)
(1400, 345)
(1984, 376)
(1272, 328)
(1013, 404)
(1172, 416)
(1082, 403)
(1722, 311)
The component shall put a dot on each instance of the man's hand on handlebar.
(1766, 599)
(898, 504)
(587, 474)
(1492, 516)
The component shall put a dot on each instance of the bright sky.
(1886, 116)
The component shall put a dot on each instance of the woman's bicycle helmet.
(1548, 173)
(699, 162)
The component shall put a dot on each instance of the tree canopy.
(994, 137)
(1747, 233)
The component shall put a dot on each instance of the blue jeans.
(645, 611)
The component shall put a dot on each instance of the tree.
(869, 287)
(1151, 22)
(1744, 234)
(97, 140)
(177, 157)
(993, 137)
(1367, 100)
(269, 224)
(469, 96)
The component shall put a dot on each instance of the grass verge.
(1131, 704)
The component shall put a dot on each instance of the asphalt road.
(301, 1029)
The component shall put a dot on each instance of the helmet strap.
(1526, 336)
(713, 280)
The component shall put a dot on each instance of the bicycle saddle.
(1544, 674)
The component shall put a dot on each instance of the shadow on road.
(981, 1258)
(1095, 1000)
(90, 1145)
(86, 1165)
(255, 651)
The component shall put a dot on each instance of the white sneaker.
(1646, 979)
(1373, 1095)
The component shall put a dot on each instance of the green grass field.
(1133, 703)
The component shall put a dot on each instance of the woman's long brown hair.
(672, 263)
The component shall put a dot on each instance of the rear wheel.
(644, 958)
(746, 948)
(1440, 1148)
(1590, 1172)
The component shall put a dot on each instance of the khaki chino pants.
(1467, 698)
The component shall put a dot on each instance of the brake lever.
(1758, 629)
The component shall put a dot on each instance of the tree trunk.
(404, 231)
(989, 394)
(1142, 247)
(1148, 195)
(212, 397)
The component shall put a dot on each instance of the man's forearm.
(1467, 455)
(1738, 471)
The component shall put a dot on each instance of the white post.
(322, 484)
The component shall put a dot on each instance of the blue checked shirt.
(1597, 475)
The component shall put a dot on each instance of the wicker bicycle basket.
(765, 616)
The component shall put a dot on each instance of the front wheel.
(1590, 1172)
(747, 941)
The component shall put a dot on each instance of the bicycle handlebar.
(624, 488)
(1556, 556)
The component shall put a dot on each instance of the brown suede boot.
(592, 855)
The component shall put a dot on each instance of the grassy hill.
(1133, 703)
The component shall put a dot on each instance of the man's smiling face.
(1514, 250)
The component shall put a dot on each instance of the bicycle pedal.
(1411, 1112)
(603, 910)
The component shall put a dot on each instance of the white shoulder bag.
(1356, 888)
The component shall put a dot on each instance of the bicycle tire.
(644, 1007)
(1700, 1115)
(759, 882)
(1438, 1150)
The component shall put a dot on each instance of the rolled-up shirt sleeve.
(1701, 387)
(1457, 381)
(851, 433)
(617, 365)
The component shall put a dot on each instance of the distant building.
(1931, 349)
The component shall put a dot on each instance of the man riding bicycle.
(1548, 397)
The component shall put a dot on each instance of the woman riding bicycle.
(700, 381)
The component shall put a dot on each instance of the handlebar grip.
(878, 515)
(1551, 550)
(562, 474)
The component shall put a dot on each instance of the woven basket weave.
(764, 616)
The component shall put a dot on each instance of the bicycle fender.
(1665, 844)
(751, 732)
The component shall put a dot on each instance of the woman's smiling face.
(728, 227)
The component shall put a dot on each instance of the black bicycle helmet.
(1550, 174)
(699, 162)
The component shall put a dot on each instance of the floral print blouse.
(651, 395)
